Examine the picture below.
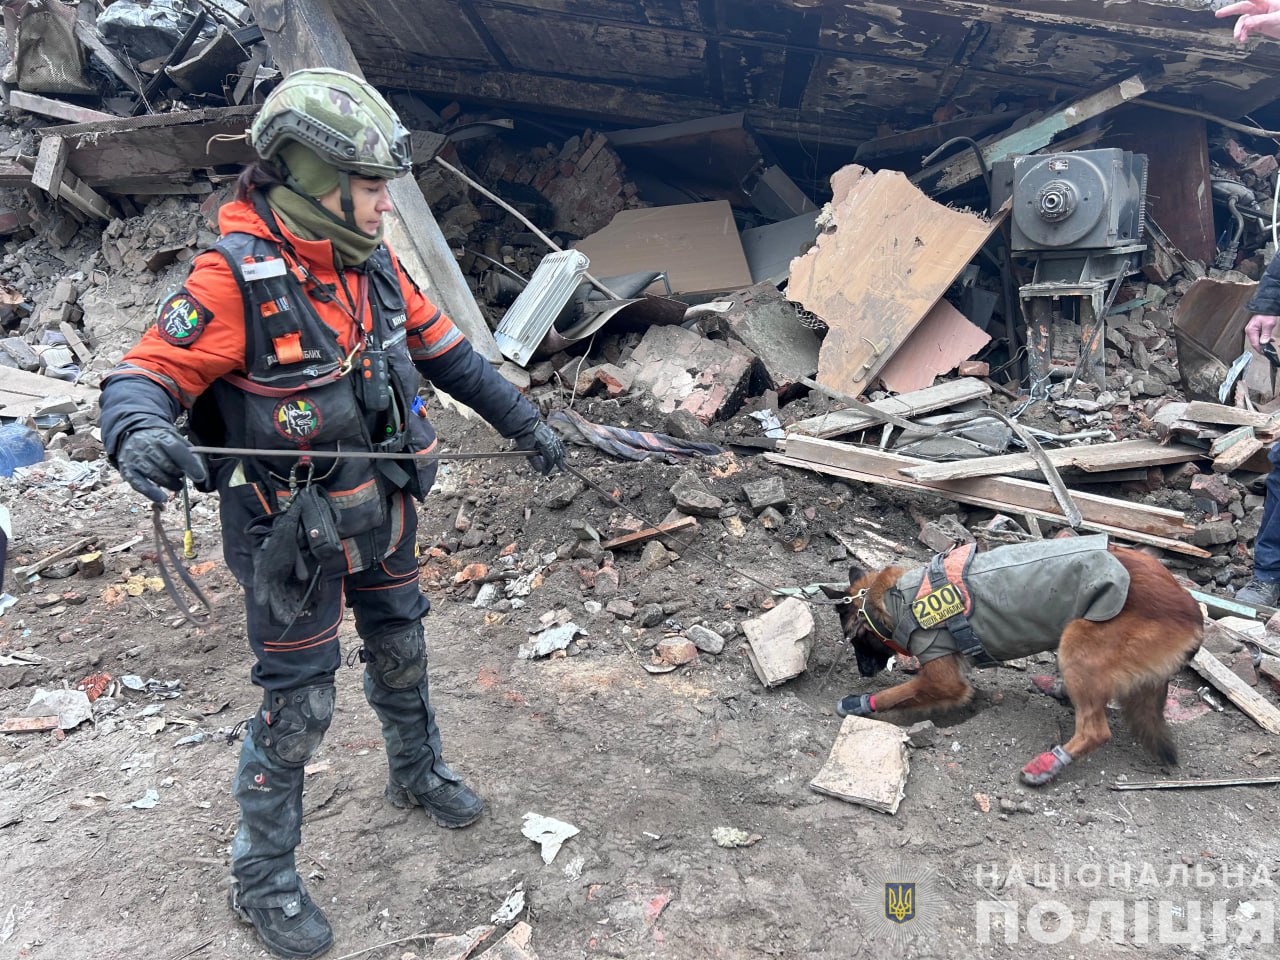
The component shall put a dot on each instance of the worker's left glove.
(550, 448)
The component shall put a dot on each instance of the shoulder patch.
(181, 319)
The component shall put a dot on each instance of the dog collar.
(860, 598)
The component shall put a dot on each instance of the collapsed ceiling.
(837, 72)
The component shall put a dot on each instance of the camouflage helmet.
(339, 116)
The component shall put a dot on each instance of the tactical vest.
(302, 391)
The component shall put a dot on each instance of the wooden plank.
(1238, 454)
(1122, 533)
(1234, 607)
(51, 164)
(161, 147)
(1227, 440)
(876, 276)
(58, 109)
(1097, 458)
(1034, 137)
(649, 533)
(1251, 703)
(80, 195)
(908, 405)
(1199, 411)
(89, 37)
(305, 33)
(29, 724)
(1010, 495)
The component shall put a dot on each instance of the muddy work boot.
(1259, 593)
(395, 684)
(297, 929)
(266, 891)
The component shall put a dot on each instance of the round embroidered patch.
(181, 319)
(297, 419)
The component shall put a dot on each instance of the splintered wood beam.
(69, 188)
(1100, 457)
(907, 405)
(46, 107)
(963, 167)
(1251, 703)
(1129, 521)
(51, 164)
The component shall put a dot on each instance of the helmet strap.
(348, 205)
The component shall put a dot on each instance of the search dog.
(1130, 657)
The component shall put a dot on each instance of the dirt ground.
(645, 766)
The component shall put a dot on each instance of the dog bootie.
(1045, 767)
(855, 705)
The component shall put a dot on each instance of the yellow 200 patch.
(938, 605)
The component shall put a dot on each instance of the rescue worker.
(1263, 588)
(300, 331)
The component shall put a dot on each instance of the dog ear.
(834, 593)
(856, 573)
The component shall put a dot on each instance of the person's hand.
(155, 457)
(1256, 16)
(550, 448)
(1260, 329)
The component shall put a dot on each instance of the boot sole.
(403, 800)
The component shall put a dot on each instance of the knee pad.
(293, 722)
(397, 661)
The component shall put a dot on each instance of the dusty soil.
(646, 766)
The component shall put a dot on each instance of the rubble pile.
(748, 319)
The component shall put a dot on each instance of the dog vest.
(1006, 603)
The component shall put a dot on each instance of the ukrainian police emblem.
(181, 319)
(900, 904)
(297, 419)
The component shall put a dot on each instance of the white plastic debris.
(548, 832)
(72, 707)
(511, 907)
(549, 641)
(149, 800)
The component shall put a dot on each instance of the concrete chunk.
(778, 642)
(761, 494)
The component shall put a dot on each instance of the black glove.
(156, 457)
(547, 443)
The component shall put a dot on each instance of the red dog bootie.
(1045, 767)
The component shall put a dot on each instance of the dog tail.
(1143, 707)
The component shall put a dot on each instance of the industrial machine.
(1080, 218)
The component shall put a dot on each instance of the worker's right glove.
(550, 448)
(155, 457)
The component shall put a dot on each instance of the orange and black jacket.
(257, 346)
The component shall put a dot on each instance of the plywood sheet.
(878, 273)
(867, 765)
(944, 338)
(696, 244)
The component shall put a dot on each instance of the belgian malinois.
(1121, 625)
